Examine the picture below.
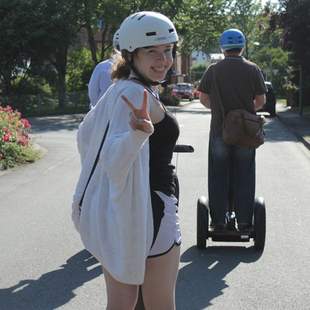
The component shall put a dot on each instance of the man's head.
(232, 42)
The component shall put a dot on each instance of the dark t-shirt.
(238, 81)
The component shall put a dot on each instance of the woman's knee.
(120, 296)
(122, 299)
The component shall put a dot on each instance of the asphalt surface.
(299, 125)
(43, 263)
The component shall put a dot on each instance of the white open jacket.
(115, 223)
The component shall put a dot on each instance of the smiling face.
(154, 62)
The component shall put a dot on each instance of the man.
(231, 172)
(100, 79)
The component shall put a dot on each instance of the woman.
(128, 219)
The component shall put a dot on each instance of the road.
(44, 266)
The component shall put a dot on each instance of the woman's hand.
(140, 118)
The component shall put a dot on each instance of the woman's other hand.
(140, 118)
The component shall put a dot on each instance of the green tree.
(15, 41)
(295, 20)
(36, 34)
(265, 49)
(56, 30)
(79, 69)
(200, 23)
(104, 17)
(244, 14)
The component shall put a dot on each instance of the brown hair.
(121, 66)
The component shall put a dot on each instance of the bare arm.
(259, 101)
(205, 99)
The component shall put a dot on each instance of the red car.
(183, 91)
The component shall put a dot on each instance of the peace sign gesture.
(140, 118)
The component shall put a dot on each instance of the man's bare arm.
(205, 99)
(259, 101)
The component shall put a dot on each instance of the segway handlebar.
(183, 148)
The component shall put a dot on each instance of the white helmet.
(116, 40)
(146, 29)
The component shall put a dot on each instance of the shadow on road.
(53, 289)
(276, 132)
(202, 278)
(55, 123)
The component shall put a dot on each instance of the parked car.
(183, 91)
(270, 105)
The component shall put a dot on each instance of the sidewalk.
(299, 125)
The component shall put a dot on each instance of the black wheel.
(272, 110)
(202, 222)
(259, 224)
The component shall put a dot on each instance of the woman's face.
(154, 62)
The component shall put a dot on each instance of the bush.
(79, 70)
(15, 146)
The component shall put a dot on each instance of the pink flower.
(6, 137)
(23, 140)
(25, 123)
(8, 109)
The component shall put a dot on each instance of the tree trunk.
(92, 43)
(61, 67)
(105, 34)
(6, 82)
(61, 85)
(90, 32)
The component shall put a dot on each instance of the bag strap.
(95, 163)
(148, 88)
(218, 94)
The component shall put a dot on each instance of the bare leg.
(160, 279)
(120, 296)
(140, 304)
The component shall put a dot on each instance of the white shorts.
(166, 223)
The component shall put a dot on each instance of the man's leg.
(218, 178)
(244, 183)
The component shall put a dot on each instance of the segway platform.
(230, 233)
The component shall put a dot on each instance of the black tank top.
(162, 143)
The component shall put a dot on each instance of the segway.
(257, 231)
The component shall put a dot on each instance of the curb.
(296, 133)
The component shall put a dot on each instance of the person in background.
(128, 219)
(238, 84)
(100, 79)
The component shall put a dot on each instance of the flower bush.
(15, 146)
